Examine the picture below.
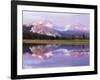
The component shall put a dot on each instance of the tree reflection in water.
(45, 51)
(55, 55)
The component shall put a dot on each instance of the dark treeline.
(30, 35)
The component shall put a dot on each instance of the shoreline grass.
(72, 42)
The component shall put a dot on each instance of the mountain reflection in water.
(39, 56)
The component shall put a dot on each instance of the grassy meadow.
(72, 42)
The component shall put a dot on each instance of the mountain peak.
(44, 27)
(76, 27)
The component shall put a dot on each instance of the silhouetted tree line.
(30, 35)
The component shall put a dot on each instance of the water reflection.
(35, 56)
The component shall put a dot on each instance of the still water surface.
(44, 56)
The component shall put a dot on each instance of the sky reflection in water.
(43, 56)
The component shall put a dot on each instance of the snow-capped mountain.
(73, 27)
(77, 30)
(78, 27)
(45, 30)
(43, 27)
(49, 29)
